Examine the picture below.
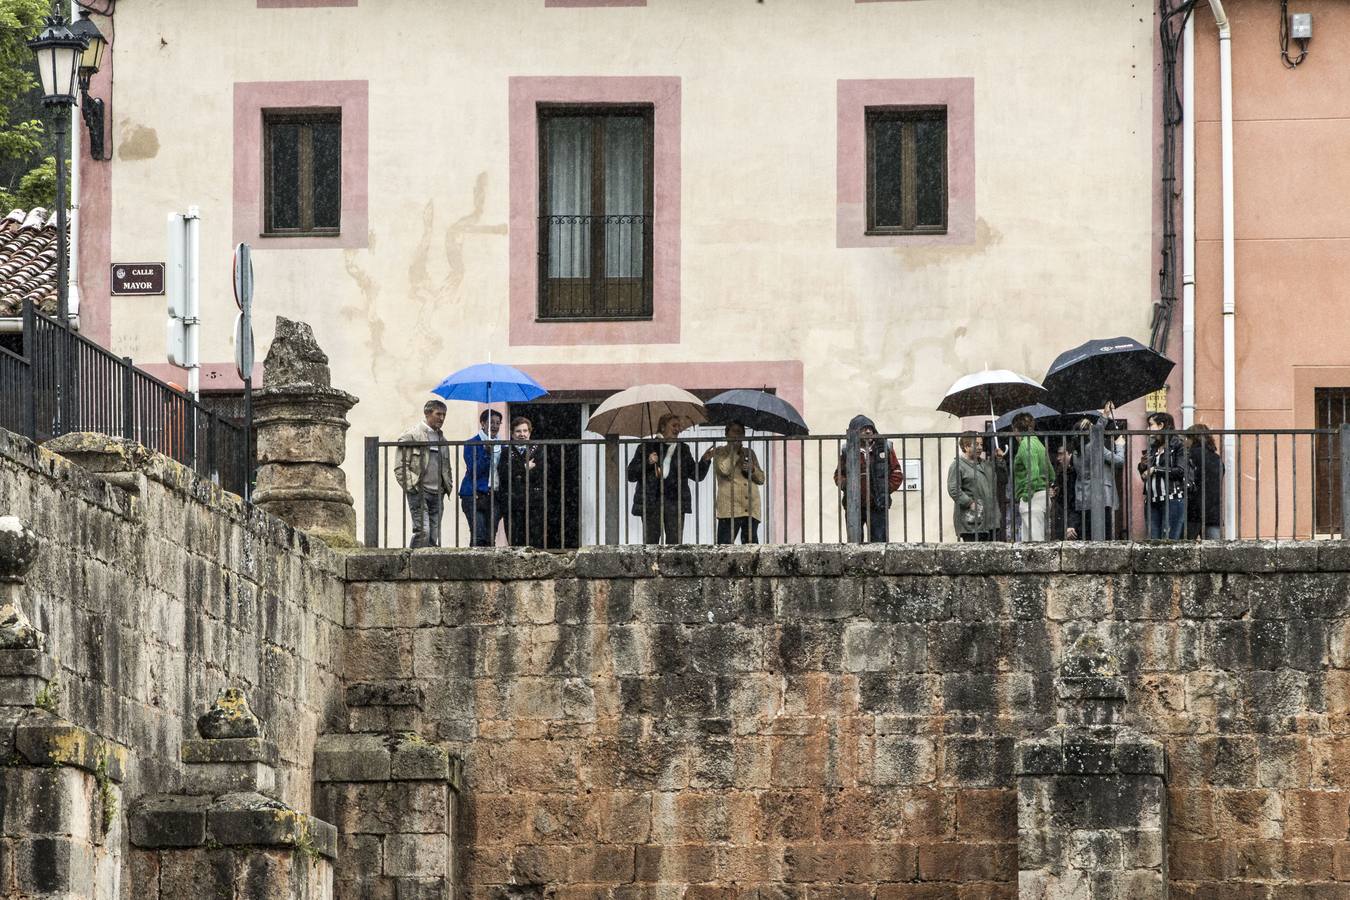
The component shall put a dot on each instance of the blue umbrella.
(487, 382)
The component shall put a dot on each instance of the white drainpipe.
(1188, 225)
(73, 271)
(1229, 276)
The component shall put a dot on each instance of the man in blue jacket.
(478, 490)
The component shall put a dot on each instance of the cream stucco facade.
(1060, 247)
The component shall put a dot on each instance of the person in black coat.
(520, 474)
(662, 469)
(1202, 502)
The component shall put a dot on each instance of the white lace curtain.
(570, 155)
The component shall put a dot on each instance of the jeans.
(426, 512)
(745, 527)
(484, 513)
(1031, 517)
(1166, 519)
(876, 522)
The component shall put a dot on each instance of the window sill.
(563, 320)
(269, 235)
(896, 232)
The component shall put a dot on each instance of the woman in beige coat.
(738, 477)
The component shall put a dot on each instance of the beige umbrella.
(634, 412)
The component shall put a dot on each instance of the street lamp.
(58, 53)
(90, 60)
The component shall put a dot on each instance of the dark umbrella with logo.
(1115, 370)
(758, 410)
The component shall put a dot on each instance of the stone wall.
(159, 590)
(841, 722)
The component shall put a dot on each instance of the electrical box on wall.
(1300, 26)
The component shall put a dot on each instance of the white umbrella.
(991, 392)
(636, 411)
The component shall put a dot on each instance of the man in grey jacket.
(422, 469)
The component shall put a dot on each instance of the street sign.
(243, 276)
(175, 275)
(175, 339)
(243, 345)
(137, 279)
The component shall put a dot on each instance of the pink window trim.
(251, 98)
(855, 96)
(302, 4)
(785, 377)
(525, 93)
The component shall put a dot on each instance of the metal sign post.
(243, 350)
(182, 291)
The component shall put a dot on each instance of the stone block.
(27, 663)
(351, 757)
(385, 693)
(251, 820)
(229, 750)
(910, 559)
(390, 807)
(160, 821)
(377, 565)
(1099, 558)
(423, 889)
(44, 739)
(21, 690)
(232, 777)
(417, 855)
(53, 866)
(1161, 556)
(55, 800)
(417, 760)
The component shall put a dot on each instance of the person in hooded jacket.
(880, 477)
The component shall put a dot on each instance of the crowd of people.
(1018, 485)
(1027, 488)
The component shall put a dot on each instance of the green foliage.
(49, 698)
(27, 175)
(107, 795)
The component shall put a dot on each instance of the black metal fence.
(63, 382)
(1099, 485)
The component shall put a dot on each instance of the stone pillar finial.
(231, 755)
(18, 551)
(301, 420)
(229, 717)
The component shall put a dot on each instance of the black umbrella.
(1038, 411)
(759, 410)
(1115, 370)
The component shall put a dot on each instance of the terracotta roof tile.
(27, 260)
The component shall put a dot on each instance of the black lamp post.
(90, 61)
(59, 52)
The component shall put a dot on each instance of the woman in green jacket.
(1032, 476)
